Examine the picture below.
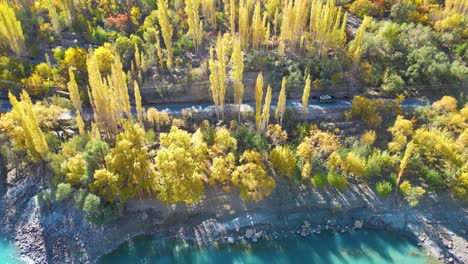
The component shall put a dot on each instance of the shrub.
(432, 177)
(98, 35)
(80, 197)
(91, 204)
(368, 137)
(412, 194)
(283, 160)
(336, 180)
(320, 180)
(63, 191)
(393, 84)
(363, 8)
(384, 188)
(248, 139)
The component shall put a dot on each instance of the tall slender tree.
(266, 109)
(237, 71)
(258, 101)
(138, 103)
(34, 138)
(11, 32)
(76, 100)
(280, 109)
(355, 47)
(195, 31)
(306, 93)
(166, 29)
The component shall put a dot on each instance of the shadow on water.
(365, 246)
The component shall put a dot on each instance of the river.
(359, 247)
(8, 253)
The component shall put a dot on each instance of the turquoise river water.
(361, 247)
(8, 254)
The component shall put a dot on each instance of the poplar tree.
(355, 47)
(195, 25)
(73, 90)
(327, 24)
(218, 74)
(306, 93)
(221, 67)
(258, 101)
(280, 109)
(34, 139)
(258, 29)
(76, 100)
(109, 98)
(209, 10)
(237, 71)
(166, 29)
(232, 16)
(11, 33)
(55, 18)
(244, 26)
(266, 109)
(138, 104)
(294, 22)
(214, 81)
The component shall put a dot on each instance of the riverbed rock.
(358, 224)
(258, 235)
(249, 233)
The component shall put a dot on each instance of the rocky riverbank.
(60, 234)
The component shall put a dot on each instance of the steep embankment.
(59, 232)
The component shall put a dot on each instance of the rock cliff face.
(3, 175)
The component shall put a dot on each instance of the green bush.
(384, 188)
(98, 35)
(320, 180)
(393, 84)
(91, 204)
(80, 197)
(248, 139)
(336, 180)
(433, 177)
(63, 191)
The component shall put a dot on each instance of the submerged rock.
(249, 233)
(231, 240)
(358, 224)
(258, 235)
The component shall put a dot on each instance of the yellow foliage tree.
(11, 31)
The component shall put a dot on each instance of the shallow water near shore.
(8, 253)
(364, 246)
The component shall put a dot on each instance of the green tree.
(91, 204)
(64, 191)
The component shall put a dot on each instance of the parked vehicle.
(326, 99)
